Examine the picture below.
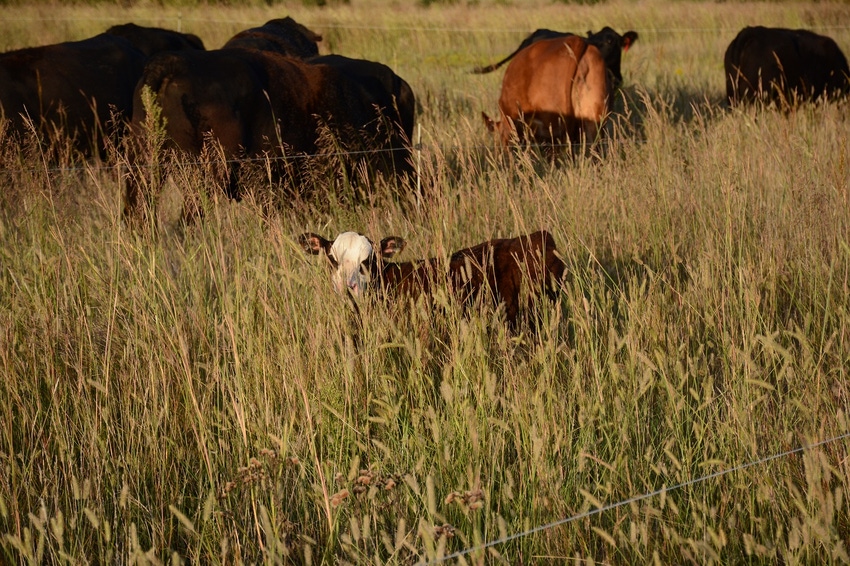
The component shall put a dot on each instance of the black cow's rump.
(782, 65)
(74, 89)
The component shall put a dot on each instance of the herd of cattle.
(268, 92)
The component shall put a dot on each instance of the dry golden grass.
(200, 393)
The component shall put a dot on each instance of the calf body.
(500, 265)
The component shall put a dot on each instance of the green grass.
(201, 394)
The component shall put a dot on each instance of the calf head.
(354, 261)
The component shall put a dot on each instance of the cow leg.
(141, 182)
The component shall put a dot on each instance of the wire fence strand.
(387, 28)
(634, 499)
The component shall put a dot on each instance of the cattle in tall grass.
(611, 45)
(263, 103)
(73, 90)
(501, 267)
(783, 66)
(556, 92)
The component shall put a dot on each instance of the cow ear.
(589, 33)
(391, 246)
(489, 122)
(313, 243)
(628, 39)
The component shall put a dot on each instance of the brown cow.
(611, 44)
(555, 91)
(500, 265)
(781, 65)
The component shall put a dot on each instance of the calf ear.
(391, 246)
(628, 39)
(313, 243)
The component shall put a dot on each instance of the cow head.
(505, 130)
(355, 262)
(612, 45)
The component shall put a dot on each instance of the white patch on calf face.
(351, 251)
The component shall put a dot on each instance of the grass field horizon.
(200, 394)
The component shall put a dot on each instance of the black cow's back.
(376, 100)
(778, 64)
(75, 89)
(70, 87)
(283, 35)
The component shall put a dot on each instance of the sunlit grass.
(199, 393)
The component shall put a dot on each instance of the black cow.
(257, 102)
(391, 124)
(781, 65)
(284, 36)
(610, 44)
(73, 89)
(153, 40)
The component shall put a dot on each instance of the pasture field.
(199, 394)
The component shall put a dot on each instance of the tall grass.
(202, 395)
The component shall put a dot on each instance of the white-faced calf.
(500, 265)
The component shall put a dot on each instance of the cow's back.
(284, 36)
(239, 97)
(72, 84)
(75, 89)
(370, 93)
(150, 40)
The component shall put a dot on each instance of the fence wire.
(180, 20)
(634, 499)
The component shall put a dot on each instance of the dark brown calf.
(500, 265)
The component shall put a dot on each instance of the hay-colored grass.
(200, 394)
